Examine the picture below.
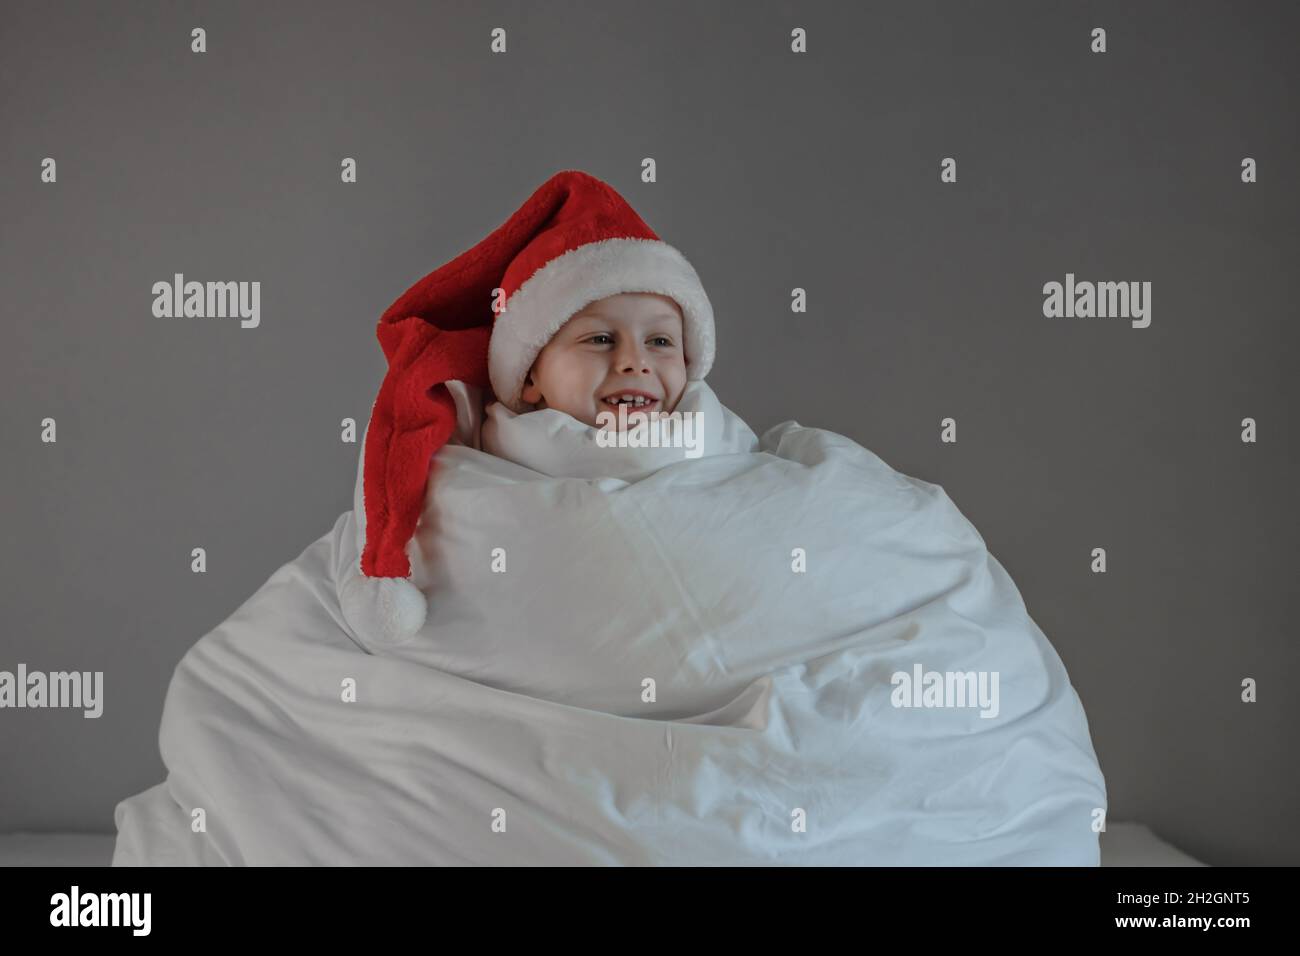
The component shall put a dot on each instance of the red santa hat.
(481, 319)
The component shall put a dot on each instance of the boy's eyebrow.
(604, 318)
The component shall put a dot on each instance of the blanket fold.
(782, 651)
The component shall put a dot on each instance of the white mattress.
(1123, 844)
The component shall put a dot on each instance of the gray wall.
(775, 170)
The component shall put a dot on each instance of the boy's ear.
(529, 392)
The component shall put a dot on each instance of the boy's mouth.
(633, 401)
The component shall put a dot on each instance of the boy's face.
(628, 343)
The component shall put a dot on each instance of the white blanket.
(689, 661)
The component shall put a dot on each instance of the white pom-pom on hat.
(391, 610)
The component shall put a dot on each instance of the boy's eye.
(595, 339)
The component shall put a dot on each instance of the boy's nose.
(632, 362)
(632, 357)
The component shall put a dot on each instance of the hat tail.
(412, 418)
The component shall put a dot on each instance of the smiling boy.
(624, 348)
